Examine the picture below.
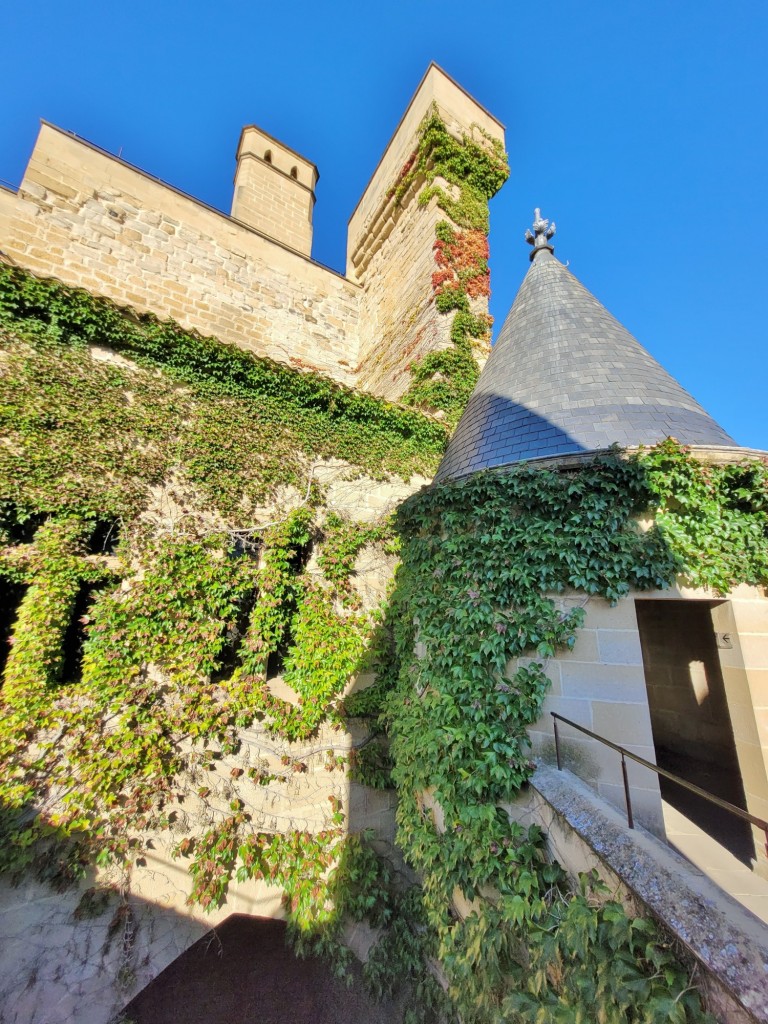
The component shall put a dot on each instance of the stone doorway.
(690, 717)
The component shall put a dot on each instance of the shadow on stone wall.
(244, 971)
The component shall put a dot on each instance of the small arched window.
(295, 172)
(268, 156)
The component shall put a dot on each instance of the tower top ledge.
(256, 143)
(460, 111)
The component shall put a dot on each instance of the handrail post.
(676, 779)
(630, 819)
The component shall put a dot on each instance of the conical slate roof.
(565, 377)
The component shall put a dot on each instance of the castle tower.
(274, 189)
(566, 377)
(393, 230)
(676, 672)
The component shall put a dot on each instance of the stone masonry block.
(585, 649)
(625, 683)
(601, 615)
(754, 648)
(579, 711)
(619, 647)
(751, 616)
(622, 723)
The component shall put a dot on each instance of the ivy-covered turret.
(566, 377)
(618, 590)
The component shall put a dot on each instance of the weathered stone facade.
(66, 956)
(89, 219)
(601, 684)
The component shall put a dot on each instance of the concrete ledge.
(728, 943)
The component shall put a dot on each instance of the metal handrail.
(744, 815)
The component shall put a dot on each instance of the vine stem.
(278, 522)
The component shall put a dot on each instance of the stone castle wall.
(602, 685)
(91, 220)
(390, 246)
(60, 964)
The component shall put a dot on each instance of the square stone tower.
(274, 189)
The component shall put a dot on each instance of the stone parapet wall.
(725, 942)
(93, 221)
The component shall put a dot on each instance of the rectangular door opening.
(691, 723)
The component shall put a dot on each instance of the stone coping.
(729, 943)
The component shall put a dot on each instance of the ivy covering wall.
(462, 175)
(165, 548)
(483, 561)
(137, 458)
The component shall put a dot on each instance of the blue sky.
(641, 129)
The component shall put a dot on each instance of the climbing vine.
(193, 609)
(714, 517)
(237, 422)
(155, 615)
(476, 165)
(483, 562)
(474, 169)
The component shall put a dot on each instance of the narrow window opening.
(233, 638)
(276, 660)
(104, 538)
(295, 173)
(19, 530)
(77, 632)
(11, 596)
(268, 156)
(299, 560)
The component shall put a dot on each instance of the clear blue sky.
(641, 128)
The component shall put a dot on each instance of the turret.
(274, 189)
(566, 378)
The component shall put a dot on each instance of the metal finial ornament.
(541, 234)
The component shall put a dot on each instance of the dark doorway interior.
(691, 724)
(244, 973)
